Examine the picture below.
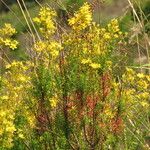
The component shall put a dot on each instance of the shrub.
(68, 95)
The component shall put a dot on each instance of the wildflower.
(20, 135)
(31, 120)
(144, 104)
(5, 97)
(95, 65)
(108, 111)
(103, 30)
(144, 95)
(107, 36)
(53, 102)
(45, 21)
(85, 61)
(140, 75)
(17, 64)
(13, 44)
(2, 114)
(113, 26)
(54, 48)
(7, 42)
(148, 77)
(40, 46)
(22, 78)
(142, 84)
(10, 128)
(82, 19)
(5, 37)
(129, 70)
(7, 30)
(108, 64)
(116, 36)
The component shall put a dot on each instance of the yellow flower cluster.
(40, 46)
(137, 81)
(45, 21)
(53, 101)
(7, 127)
(17, 65)
(129, 75)
(82, 18)
(7, 30)
(113, 26)
(86, 61)
(20, 134)
(113, 31)
(95, 65)
(54, 48)
(51, 48)
(16, 83)
(97, 44)
(12, 44)
(90, 63)
(17, 77)
(16, 80)
(140, 80)
(5, 37)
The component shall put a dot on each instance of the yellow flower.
(140, 75)
(37, 20)
(7, 30)
(55, 53)
(5, 37)
(144, 104)
(107, 36)
(7, 42)
(20, 135)
(148, 77)
(53, 102)
(103, 30)
(40, 46)
(22, 78)
(10, 128)
(45, 21)
(5, 97)
(130, 72)
(116, 36)
(86, 61)
(143, 95)
(82, 18)
(12, 44)
(113, 26)
(95, 65)
(108, 64)
(108, 111)
(142, 84)
(54, 48)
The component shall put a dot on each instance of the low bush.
(73, 92)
